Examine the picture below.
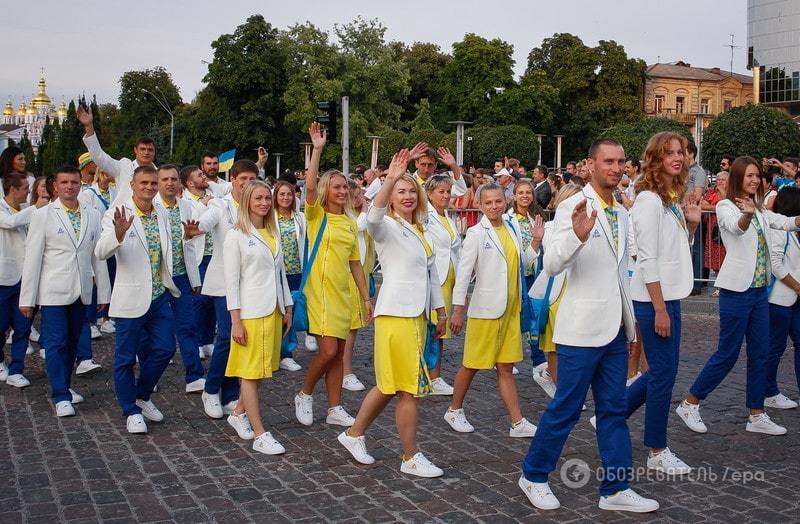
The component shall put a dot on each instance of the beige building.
(680, 91)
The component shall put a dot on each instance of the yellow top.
(268, 238)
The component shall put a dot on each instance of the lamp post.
(277, 164)
(698, 133)
(558, 151)
(460, 140)
(375, 143)
(539, 137)
(165, 106)
(306, 152)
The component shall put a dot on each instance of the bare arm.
(318, 140)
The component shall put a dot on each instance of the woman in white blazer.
(784, 308)
(291, 226)
(445, 240)
(492, 250)
(260, 306)
(743, 279)
(409, 292)
(663, 276)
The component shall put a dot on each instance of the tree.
(425, 63)
(27, 149)
(634, 135)
(422, 129)
(139, 107)
(532, 103)
(490, 143)
(752, 130)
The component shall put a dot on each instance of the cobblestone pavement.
(193, 469)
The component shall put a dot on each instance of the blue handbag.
(541, 309)
(300, 310)
(431, 352)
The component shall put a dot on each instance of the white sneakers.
(64, 409)
(420, 466)
(94, 332)
(289, 364)
(77, 398)
(761, 423)
(34, 336)
(86, 367)
(542, 377)
(458, 421)
(440, 387)
(690, 414)
(339, 417)
(242, 426)
(206, 351)
(18, 381)
(267, 445)
(196, 386)
(539, 494)
(30, 351)
(212, 405)
(593, 421)
(108, 326)
(304, 408)
(230, 407)
(780, 401)
(149, 410)
(3, 372)
(136, 424)
(522, 429)
(311, 343)
(667, 462)
(357, 447)
(628, 500)
(350, 382)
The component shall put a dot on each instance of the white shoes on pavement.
(149, 410)
(206, 351)
(242, 426)
(539, 494)
(290, 364)
(304, 408)
(350, 382)
(458, 421)
(136, 424)
(212, 405)
(94, 332)
(667, 462)
(77, 398)
(761, 423)
(267, 445)
(34, 336)
(542, 377)
(780, 401)
(690, 414)
(86, 367)
(522, 429)
(420, 466)
(18, 381)
(339, 417)
(196, 386)
(108, 326)
(64, 408)
(628, 500)
(311, 343)
(440, 387)
(3, 372)
(357, 447)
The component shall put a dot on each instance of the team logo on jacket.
(596, 233)
(251, 243)
(60, 231)
(487, 245)
(132, 234)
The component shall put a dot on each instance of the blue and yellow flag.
(226, 160)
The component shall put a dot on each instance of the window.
(727, 105)
(705, 105)
(659, 108)
(680, 104)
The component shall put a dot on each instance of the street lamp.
(165, 106)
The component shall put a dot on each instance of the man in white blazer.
(209, 163)
(14, 220)
(57, 276)
(121, 170)
(425, 159)
(593, 324)
(221, 392)
(137, 233)
(185, 274)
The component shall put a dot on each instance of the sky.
(85, 46)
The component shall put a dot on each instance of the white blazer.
(190, 259)
(133, 284)
(445, 248)
(90, 196)
(539, 287)
(255, 279)
(300, 231)
(483, 253)
(405, 265)
(662, 250)
(58, 268)
(361, 225)
(221, 188)
(198, 208)
(597, 299)
(13, 230)
(739, 266)
(121, 170)
(784, 251)
(218, 218)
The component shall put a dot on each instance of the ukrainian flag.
(226, 160)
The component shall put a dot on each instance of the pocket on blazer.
(61, 283)
(590, 313)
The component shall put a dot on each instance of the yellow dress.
(546, 343)
(358, 312)
(449, 283)
(399, 344)
(491, 341)
(328, 288)
(261, 354)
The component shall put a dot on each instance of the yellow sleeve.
(355, 254)
(314, 212)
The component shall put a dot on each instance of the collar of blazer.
(58, 208)
(489, 231)
(231, 208)
(593, 200)
(407, 230)
(254, 234)
(435, 219)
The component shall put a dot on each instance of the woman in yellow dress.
(492, 250)
(442, 235)
(327, 290)
(260, 306)
(358, 319)
(409, 291)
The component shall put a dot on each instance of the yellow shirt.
(268, 239)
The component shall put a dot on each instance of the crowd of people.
(234, 270)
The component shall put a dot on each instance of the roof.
(7, 128)
(684, 71)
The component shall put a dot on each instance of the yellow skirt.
(546, 343)
(261, 355)
(492, 341)
(358, 312)
(447, 293)
(399, 343)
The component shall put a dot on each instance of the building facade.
(31, 117)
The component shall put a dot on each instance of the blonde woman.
(493, 251)
(359, 318)
(444, 239)
(327, 291)
(409, 291)
(260, 306)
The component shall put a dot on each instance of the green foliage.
(27, 149)
(489, 143)
(425, 63)
(753, 130)
(634, 135)
(61, 144)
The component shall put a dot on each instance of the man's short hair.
(430, 153)
(542, 169)
(635, 162)
(185, 173)
(727, 157)
(597, 144)
(14, 180)
(359, 169)
(513, 163)
(572, 163)
(792, 160)
(146, 141)
(289, 177)
(692, 148)
(66, 168)
(243, 166)
(147, 170)
(167, 167)
(207, 154)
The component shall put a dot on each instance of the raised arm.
(103, 160)
(447, 158)
(318, 140)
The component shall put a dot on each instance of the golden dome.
(23, 108)
(41, 99)
(31, 108)
(9, 110)
(62, 109)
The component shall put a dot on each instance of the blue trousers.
(61, 330)
(741, 315)
(655, 386)
(186, 328)
(289, 342)
(11, 317)
(605, 370)
(784, 322)
(216, 381)
(157, 328)
(203, 309)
